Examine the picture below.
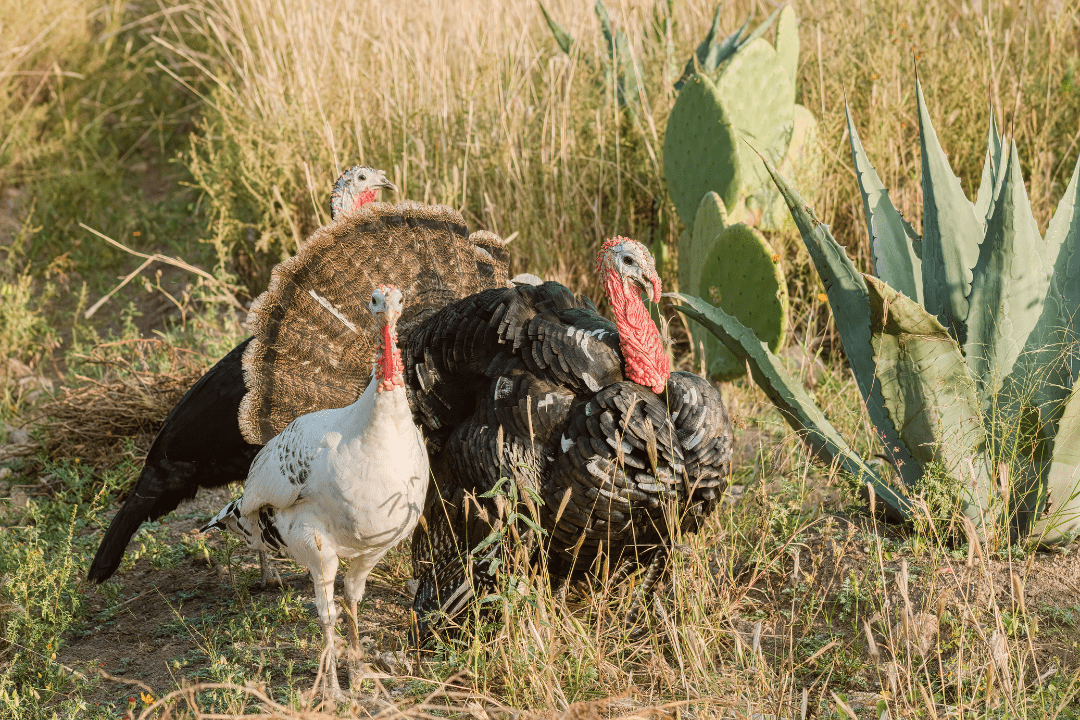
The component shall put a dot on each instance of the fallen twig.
(149, 259)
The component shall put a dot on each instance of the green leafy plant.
(621, 65)
(737, 94)
(963, 344)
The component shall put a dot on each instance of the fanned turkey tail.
(313, 345)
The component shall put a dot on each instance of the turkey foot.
(268, 574)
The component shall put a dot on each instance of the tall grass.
(488, 116)
(459, 108)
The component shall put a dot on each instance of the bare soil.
(139, 643)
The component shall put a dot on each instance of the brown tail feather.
(313, 345)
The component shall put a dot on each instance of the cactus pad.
(787, 41)
(700, 149)
(803, 160)
(742, 275)
(732, 266)
(758, 97)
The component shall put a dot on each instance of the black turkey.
(199, 443)
(530, 383)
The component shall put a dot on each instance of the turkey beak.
(649, 283)
(653, 291)
(390, 316)
(386, 184)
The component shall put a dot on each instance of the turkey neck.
(368, 196)
(384, 406)
(644, 358)
(388, 366)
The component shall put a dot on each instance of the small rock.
(17, 435)
(4, 472)
(411, 586)
(395, 662)
(19, 498)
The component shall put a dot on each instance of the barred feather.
(527, 383)
(313, 346)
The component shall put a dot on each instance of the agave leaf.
(622, 61)
(928, 391)
(758, 32)
(951, 232)
(850, 305)
(1043, 377)
(1061, 518)
(1063, 252)
(605, 25)
(1008, 286)
(721, 51)
(891, 236)
(561, 36)
(790, 399)
(992, 171)
(1051, 359)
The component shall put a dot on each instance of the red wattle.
(364, 198)
(644, 358)
(389, 362)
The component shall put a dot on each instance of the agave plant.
(620, 61)
(964, 344)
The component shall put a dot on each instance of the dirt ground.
(141, 642)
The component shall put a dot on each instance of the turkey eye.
(363, 177)
(627, 260)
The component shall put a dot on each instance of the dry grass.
(93, 417)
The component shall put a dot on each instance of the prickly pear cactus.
(700, 149)
(734, 268)
(722, 119)
(803, 160)
(758, 97)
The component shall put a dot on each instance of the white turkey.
(347, 483)
(526, 382)
(199, 444)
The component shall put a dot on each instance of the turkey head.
(385, 307)
(357, 186)
(627, 268)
